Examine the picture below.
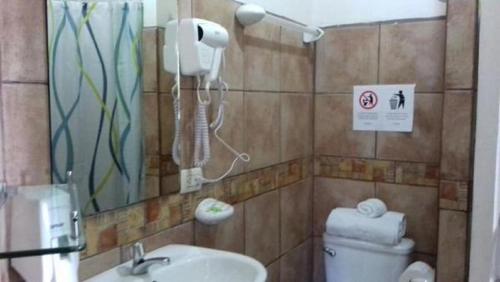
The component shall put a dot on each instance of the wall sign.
(383, 107)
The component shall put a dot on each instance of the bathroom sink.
(191, 264)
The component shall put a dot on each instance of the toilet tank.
(348, 260)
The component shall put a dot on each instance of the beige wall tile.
(262, 111)
(420, 204)
(150, 59)
(296, 126)
(94, 265)
(170, 184)
(182, 234)
(421, 145)
(166, 126)
(333, 193)
(27, 140)
(456, 139)
(24, 54)
(345, 57)
(262, 227)
(152, 165)
(273, 272)
(452, 250)
(151, 189)
(296, 63)
(333, 129)
(296, 265)
(319, 274)
(232, 132)
(262, 57)
(454, 195)
(413, 53)
(296, 214)
(228, 235)
(2, 136)
(460, 44)
(150, 122)
(222, 12)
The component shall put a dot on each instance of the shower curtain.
(95, 60)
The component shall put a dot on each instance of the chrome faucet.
(140, 265)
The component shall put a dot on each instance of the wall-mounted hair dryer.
(201, 45)
(197, 46)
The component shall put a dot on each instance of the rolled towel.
(372, 208)
(388, 229)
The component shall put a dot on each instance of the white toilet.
(349, 260)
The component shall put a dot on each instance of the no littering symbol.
(368, 100)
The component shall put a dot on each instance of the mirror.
(111, 107)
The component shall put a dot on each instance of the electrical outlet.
(191, 180)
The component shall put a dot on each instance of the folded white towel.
(388, 229)
(372, 208)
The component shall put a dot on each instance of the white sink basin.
(191, 264)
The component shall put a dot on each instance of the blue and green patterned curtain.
(95, 52)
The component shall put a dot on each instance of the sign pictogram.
(368, 100)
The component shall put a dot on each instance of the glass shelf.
(40, 220)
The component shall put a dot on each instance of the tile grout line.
(379, 53)
(376, 159)
(14, 82)
(280, 256)
(443, 99)
(313, 151)
(158, 75)
(412, 185)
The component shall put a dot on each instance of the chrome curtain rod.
(249, 14)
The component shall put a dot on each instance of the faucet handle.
(137, 252)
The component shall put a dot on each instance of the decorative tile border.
(453, 195)
(417, 174)
(360, 169)
(108, 230)
(377, 170)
